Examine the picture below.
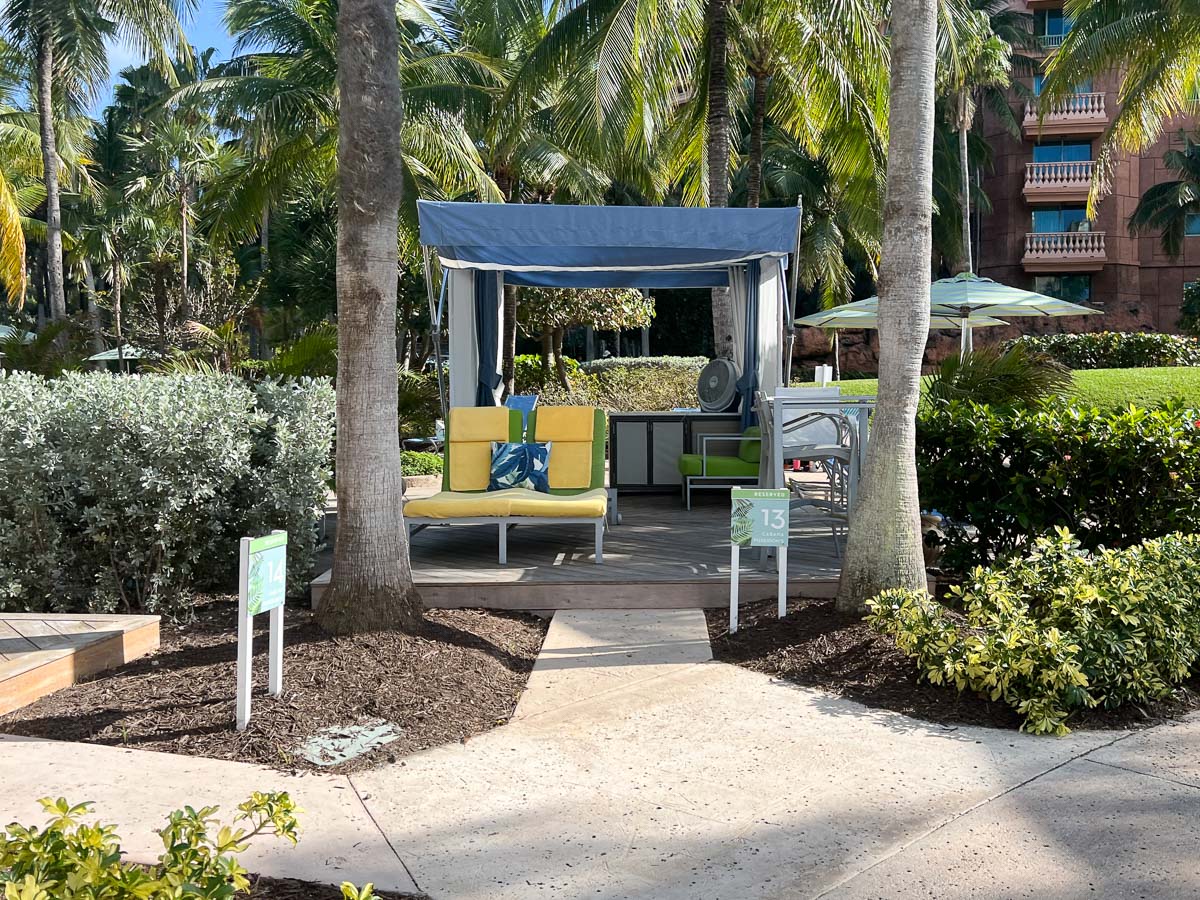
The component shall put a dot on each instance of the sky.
(204, 30)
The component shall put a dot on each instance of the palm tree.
(67, 42)
(1168, 206)
(1152, 44)
(371, 587)
(883, 549)
(21, 189)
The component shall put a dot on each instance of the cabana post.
(435, 319)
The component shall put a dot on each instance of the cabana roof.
(605, 246)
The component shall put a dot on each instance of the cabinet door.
(666, 439)
(631, 461)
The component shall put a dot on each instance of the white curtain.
(771, 299)
(737, 297)
(464, 356)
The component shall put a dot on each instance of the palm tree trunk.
(93, 311)
(965, 194)
(560, 368)
(718, 157)
(509, 355)
(185, 307)
(371, 587)
(116, 314)
(884, 545)
(754, 167)
(54, 251)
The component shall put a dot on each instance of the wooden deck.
(40, 653)
(660, 556)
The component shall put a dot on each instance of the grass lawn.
(1105, 388)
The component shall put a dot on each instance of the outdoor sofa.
(575, 471)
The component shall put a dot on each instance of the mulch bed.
(460, 677)
(817, 646)
(263, 888)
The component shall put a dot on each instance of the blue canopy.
(617, 245)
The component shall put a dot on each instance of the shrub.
(1013, 377)
(419, 462)
(530, 378)
(70, 859)
(127, 492)
(418, 407)
(621, 384)
(690, 363)
(1060, 631)
(1189, 310)
(1114, 349)
(1005, 476)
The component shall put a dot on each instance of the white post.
(275, 666)
(734, 563)
(245, 651)
(781, 561)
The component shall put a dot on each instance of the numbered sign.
(262, 588)
(759, 518)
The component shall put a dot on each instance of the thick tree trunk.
(547, 339)
(966, 263)
(560, 368)
(371, 587)
(755, 162)
(718, 157)
(884, 546)
(57, 296)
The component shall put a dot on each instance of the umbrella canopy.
(125, 353)
(846, 317)
(7, 331)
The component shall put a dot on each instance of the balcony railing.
(1064, 250)
(1056, 177)
(1051, 41)
(1083, 113)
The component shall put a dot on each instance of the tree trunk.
(560, 368)
(509, 355)
(371, 587)
(54, 249)
(93, 311)
(159, 282)
(755, 162)
(718, 158)
(185, 308)
(547, 339)
(116, 314)
(884, 545)
(966, 263)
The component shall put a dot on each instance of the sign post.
(262, 588)
(760, 518)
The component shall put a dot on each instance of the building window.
(1191, 225)
(1055, 219)
(1062, 151)
(1081, 87)
(1072, 288)
(1052, 23)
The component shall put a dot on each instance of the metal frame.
(504, 523)
(718, 481)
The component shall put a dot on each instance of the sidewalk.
(635, 767)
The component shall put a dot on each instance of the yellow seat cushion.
(570, 429)
(512, 502)
(460, 505)
(588, 505)
(472, 430)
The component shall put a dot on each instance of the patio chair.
(525, 404)
(719, 470)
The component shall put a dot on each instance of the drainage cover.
(339, 743)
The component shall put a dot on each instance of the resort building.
(1037, 234)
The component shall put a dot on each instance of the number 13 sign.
(262, 589)
(760, 518)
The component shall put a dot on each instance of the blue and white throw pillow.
(520, 466)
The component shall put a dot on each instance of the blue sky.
(204, 30)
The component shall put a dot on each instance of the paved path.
(637, 768)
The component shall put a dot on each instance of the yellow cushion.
(565, 423)
(456, 505)
(472, 430)
(478, 423)
(570, 464)
(588, 505)
(512, 502)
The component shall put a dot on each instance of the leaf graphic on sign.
(741, 526)
(256, 585)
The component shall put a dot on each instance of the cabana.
(483, 246)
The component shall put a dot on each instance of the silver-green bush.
(129, 492)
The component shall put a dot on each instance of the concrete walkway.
(636, 767)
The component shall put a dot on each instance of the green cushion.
(748, 449)
(722, 466)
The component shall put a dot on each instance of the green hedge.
(420, 462)
(1112, 478)
(1115, 349)
(1062, 630)
(128, 492)
(634, 363)
(622, 384)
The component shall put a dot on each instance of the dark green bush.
(1017, 376)
(418, 407)
(1114, 349)
(1006, 476)
(633, 363)
(530, 378)
(128, 492)
(1061, 630)
(1189, 310)
(419, 462)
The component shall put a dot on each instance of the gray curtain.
(487, 329)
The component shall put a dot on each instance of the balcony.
(1044, 4)
(1076, 114)
(1057, 182)
(1064, 251)
(1051, 41)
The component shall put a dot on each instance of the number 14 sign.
(760, 518)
